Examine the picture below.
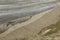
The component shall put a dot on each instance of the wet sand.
(34, 27)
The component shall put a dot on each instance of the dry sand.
(34, 27)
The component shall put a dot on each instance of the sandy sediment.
(34, 27)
